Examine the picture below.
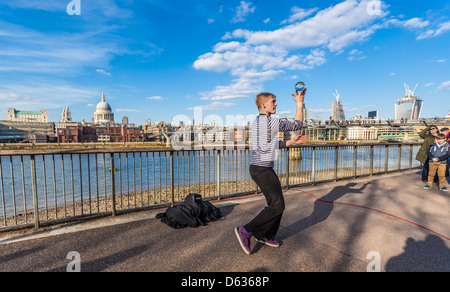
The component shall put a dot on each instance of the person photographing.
(264, 138)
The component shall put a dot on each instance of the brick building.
(102, 133)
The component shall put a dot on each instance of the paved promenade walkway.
(315, 236)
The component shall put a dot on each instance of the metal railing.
(48, 186)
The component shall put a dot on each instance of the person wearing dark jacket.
(438, 155)
(446, 132)
(428, 135)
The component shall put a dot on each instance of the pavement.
(315, 236)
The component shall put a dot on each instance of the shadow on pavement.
(429, 255)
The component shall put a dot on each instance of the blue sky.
(159, 59)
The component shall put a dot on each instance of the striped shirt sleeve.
(288, 126)
(264, 137)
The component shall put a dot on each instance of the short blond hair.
(263, 97)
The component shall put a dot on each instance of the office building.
(373, 115)
(408, 107)
(338, 109)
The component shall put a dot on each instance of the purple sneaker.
(272, 243)
(244, 239)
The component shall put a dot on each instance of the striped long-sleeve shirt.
(264, 137)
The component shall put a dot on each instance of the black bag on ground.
(193, 212)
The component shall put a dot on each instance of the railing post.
(355, 163)
(313, 166)
(172, 180)
(113, 184)
(3, 192)
(287, 168)
(34, 189)
(81, 183)
(218, 173)
(399, 161)
(386, 158)
(410, 156)
(336, 160)
(371, 159)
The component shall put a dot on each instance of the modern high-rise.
(408, 107)
(338, 109)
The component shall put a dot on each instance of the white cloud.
(155, 98)
(444, 85)
(414, 23)
(127, 110)
(421, 27)
(442, 28)
(327, 25)
(319, 111)
(237, 57)
(340, 42)
(106, 8)
(44, 95)
(239, 88)
(336, 27)
(299, 14)
(242, 11)
(253, 57)
(27, 50)
(355, 55)
(216, 105)
(411, 24)
(49, 5)
(102, 71)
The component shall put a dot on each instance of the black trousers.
(425, 171)
(267, 223)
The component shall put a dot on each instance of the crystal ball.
(300, 86)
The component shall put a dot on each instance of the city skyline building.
(66, 116)
(337, 113)
(408, 107)
(15, 115)
(372, 115)
(103, 113)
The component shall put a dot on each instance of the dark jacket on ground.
(193, 212)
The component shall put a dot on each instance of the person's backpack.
(193, 212)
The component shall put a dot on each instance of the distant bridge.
(374, 123)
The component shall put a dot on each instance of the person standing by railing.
(264, 131)
(428, 135)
